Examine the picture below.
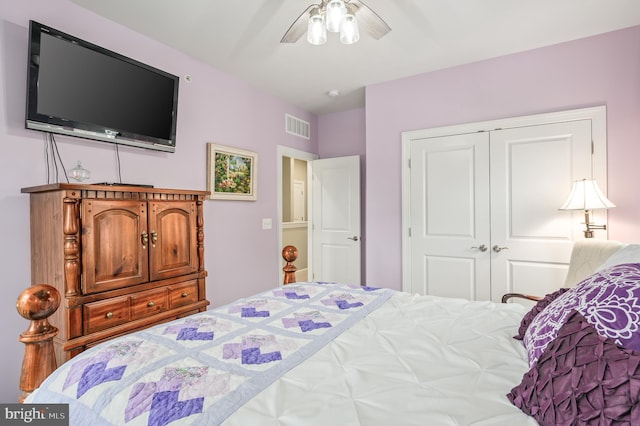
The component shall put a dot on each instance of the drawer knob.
(109, 315)
(185, 294)
(151, 304)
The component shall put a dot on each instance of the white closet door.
(450, 216)
(498, 190)
(531, 173)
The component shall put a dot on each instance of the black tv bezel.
(50, 124)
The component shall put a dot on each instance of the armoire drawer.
(106, 313)
(183, 294)
(147, 303)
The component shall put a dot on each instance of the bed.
(331, 353)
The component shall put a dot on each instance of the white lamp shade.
(336, 10)
(349, 33)
(586, 195)
(316, 31)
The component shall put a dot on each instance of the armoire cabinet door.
(115, 244)
(172, 239)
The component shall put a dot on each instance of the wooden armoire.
(123, 258)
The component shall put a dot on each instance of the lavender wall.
(342, 134)
(214, 107)
(601, 70)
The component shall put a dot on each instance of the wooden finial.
(36, 304)
(289, 254)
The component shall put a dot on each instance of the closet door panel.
(531, 173)
(450, 216)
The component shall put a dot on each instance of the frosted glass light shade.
(334, 15)
(586, 195)
(316, 31)
(349, 33)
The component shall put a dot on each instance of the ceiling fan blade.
(260, 19)
(370, 21)
(298, 28)
(416, 16)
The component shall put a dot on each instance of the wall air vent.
(296, 126)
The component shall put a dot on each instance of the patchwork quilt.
(202, 368)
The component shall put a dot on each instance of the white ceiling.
(242, 37)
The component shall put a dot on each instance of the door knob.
(498, 248)
(354, 238)
(482, 248)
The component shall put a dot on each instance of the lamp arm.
(588, 232)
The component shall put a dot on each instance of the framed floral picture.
(231, 173)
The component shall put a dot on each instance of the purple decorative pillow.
(582, 378)
(610, 302)
(537, 308)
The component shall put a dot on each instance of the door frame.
(598, 118)
(285, 151)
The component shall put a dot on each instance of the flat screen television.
(79, 89)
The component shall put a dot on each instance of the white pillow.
(628, 254)
(587, 255)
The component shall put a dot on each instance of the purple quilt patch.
(295, 296)
(256, 308)
(250, 352)
(343, 301)
(161, 399)
(609, 300)
(310, 325)
(190, 329)
(251, 312)
(343, 304)
(293, 292)
(91, 372)
(255, 356)
(166, 408)
(194, 334)
(96, 374)
(307, 321)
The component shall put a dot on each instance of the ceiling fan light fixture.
(334, 15)
(316, 30)
(346, 17)
(349, 33)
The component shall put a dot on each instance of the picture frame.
(231, 173)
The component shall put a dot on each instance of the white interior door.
(335, 220)
(450, 216)
(532, 169)
(482, 205)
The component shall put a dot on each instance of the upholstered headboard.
(587, 256)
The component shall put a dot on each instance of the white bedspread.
(350, 356)
(417, 360)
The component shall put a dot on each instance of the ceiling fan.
(343, 16)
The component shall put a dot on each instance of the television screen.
(80, 89)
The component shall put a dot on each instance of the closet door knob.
(482, 248)
(498, 248)
(354, 238)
